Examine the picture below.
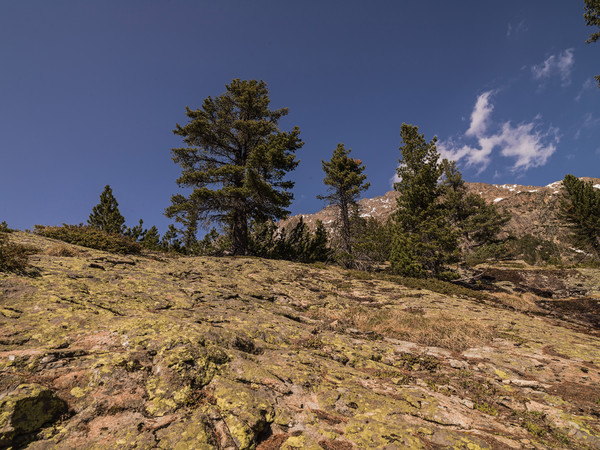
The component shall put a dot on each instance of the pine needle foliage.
(298, 244)
(424, 241)
(580, 211)
(106, 216)
(235, 159)
(477, 222)
(592, 19)
(345, 180)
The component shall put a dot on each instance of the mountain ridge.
(533, 208)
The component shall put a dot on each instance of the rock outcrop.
(241, 353)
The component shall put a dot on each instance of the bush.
(61, 250)
(86, 236)
(13, 257)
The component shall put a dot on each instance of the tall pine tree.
(580, 210)
(106, 215)
(345, 180)
(235, 159)
(592, 19)
(424, 241)
(477, 222)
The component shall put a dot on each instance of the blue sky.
(91, 91)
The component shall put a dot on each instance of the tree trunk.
(240, 233)
(345, 227)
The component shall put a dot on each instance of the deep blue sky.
(91, 91)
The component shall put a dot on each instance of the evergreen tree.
(580, 210)
(236, 159)
(592, 18)
(372, 241)
(106, 216)
(318, 249)
(345, 178)
(137, 232)
(185, 210)
(209, 245)
(477, 221)
(169, 241)
(424, 241)
(151, 239)
(299, 244)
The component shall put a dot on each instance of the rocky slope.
(104, 351)
(533, 208)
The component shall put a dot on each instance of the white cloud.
(480, 115)
(525, 143)
(559, 64)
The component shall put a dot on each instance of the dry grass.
(62, 250)
(518, 301)
(434, 331)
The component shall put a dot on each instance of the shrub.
(87, 236)
(13, 257)
(61, 250)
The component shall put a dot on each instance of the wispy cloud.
(589, 122)
(587, 85)
(525, 143)
(560, 65)
(514, 30)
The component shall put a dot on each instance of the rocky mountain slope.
(533, 208)
(104, 351)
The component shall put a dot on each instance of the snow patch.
(496, 200)
(510, 187)
(597, 186)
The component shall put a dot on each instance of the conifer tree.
(235, 159)
(137, 232)
(106, 216)
(424, 241)
(477, 222)
(169, 241)
(580, 210)
(185, 210)
(345, 180)
(151, 239)
(592, 18)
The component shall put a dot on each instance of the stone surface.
(162, 352)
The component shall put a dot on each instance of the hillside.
(533, 208)
(105, 351)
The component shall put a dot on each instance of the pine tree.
(185, 210)
(236, 159)
(106, 216)
(137, 232)
(424, 241)
(345, 178)
(580, 211)
(477, 221)
(592, 19)
(151, 239)
(169, 241)
(318, 249)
